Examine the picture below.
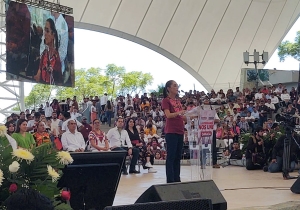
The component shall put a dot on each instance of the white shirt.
(74, 115)
(117, 138)
(258, 95)
(104, 100)
(285, 96)
(31, 124)
(271, 106)
(48, 111)
(64, 126)
(54, 126)
(72, 141)
(274, 100)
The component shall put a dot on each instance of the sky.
(94, 49)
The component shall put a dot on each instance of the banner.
(200, 135)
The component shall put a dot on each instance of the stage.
(266, 189)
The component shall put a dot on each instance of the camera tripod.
(287, 153)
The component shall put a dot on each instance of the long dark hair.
(7, 124)
(127, 125)
(165, 91)
(20, 121)
(108, 105)
(53, 29)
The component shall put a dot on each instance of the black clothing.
(279, 147)
(134, 136)
(252, 146)
(236, 154)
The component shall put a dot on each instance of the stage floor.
(241, 188)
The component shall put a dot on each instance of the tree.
(288, 48)
(159, 90)
(115, 74)
(40, 93)
(134, 82)
(87, 83)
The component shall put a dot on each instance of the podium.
(200, 125)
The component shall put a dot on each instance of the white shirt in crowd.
(72, 141)
(274, 100)
(103, 100)
(285, 96)
(64, 126)
(74, 115)
(258, 95)
(117, 138)
(31, 124)
(270, 105)
(279, 90)
(48, 111)
(54, 126)
(249, 119)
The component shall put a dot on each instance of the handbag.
(57, 143)
(258, 158)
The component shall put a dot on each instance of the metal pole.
(22, 96)
(256, 70)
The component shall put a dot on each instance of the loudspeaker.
(295, 188)
(191, 204)
(185, 190)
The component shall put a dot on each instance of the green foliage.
(91, 82)
(87, 83)
(38, 94)
(134, 81)
(159, 90)
(288, 48)
(33, 175)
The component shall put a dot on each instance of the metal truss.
(15, 89)
(48, 6)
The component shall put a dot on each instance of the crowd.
(76, 126)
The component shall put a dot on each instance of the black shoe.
(265, 169)
(134, 172)
(125, 173)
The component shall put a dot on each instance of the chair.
(128, 162)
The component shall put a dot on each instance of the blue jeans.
(276, 167)
(174, 148)
(109, 115)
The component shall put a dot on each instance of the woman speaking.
(174, 130)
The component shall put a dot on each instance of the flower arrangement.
(38, 169)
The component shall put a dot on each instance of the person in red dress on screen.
(174, 130)
(50, 65)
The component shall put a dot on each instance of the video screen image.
(39, 45)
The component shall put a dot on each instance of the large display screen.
(39, 45)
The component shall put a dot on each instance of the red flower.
(65, 195)
(13, 188)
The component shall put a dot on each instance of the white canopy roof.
(205, 37)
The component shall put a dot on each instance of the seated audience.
(97, 139)
(72, 140)
(41, 136)
(24, 139)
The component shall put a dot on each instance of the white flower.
(64, 158)
(265, 134)
(14, 167)
(23, 154)
(279, 132)
(54, 175)
(3, 130)
(1, 177)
